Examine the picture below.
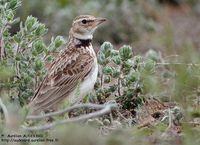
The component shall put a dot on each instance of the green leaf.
(114, 53)
(13, 4)
(107, 70)
(125, 52)
(116, 59)
(102, 59)
(17, 38)
(17, 57)
(127, 66)
(49, 58)
(133, 76)
(34, 53)
(106, 49)
(112, 88)
(59, 41)
(137, 59)
(38, 64)
(27, 79)
(10, 16)
(30, 22)
(116, 73)
(56, 43)
(38, 46)
(41, 30)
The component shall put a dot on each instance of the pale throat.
(84, 36)
(81, 35)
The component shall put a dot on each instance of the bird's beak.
(100, 20)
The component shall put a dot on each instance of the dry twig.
(104, 110)
(78, 106)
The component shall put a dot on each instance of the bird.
(74, 70)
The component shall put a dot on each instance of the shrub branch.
(104, 109)
(78, 106)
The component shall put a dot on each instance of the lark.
(74, 70)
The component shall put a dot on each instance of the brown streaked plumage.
(75, 67)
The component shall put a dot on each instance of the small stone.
(106, 122)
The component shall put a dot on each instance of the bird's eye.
(84, 21)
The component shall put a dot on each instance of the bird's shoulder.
(72, 61)
(72, 65)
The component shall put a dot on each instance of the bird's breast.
(87, 84)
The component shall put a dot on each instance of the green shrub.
(24, 52)
(122, 76)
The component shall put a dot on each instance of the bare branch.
(187, 64)
(104, 110)
(5, 111)
(88, 105)
(175, 63)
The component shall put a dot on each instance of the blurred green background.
(144, 24)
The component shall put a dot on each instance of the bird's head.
(84, 26)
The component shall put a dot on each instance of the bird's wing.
(64, 75)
